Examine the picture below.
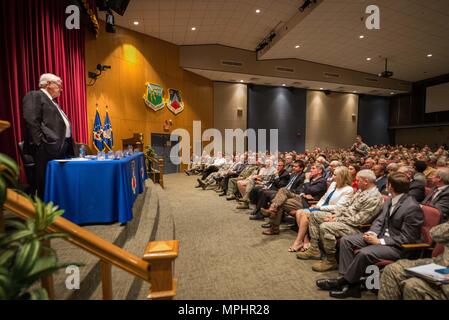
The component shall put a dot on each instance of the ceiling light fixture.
(354, 91)
(297, 46)
(429, 55)
(368, 59)
(362, 36)
(241, 80)
(193, 28)
(321, 88)
(283, 84)
(257, 10)
(136, 23)
(391, 93)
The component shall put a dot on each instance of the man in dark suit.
(264, 194)
(417, 188)
(399, 223)
(49, 133)
(289, 191)
(438, 197)
(381, 178)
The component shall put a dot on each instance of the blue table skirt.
(95, 191)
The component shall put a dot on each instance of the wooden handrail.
(111, 254)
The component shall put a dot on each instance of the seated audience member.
(381, 178)
(326, 227)
(438, 197)
(353, 169)
(329, 172)
(288, 162)
(338, 194)
(359, 148)
(396, 284)
(214, 177)
(369, 164)
(429, 169)
(232, 184)
(399, 223)
(313, 189)
(392, 167)
(262, 195)
(232, 173)
(262, 177)
(419, 167)
(215, 166)
(416, 188)
(296, 180)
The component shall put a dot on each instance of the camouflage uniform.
(232, 184)
(363, 208)
(396, 284)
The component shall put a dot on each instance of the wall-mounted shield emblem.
(153, 96)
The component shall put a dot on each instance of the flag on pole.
(98, 133)
(108, 138)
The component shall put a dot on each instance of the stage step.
(152, 221)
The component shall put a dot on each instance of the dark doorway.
(161, 143)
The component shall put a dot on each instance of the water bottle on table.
(82, 153)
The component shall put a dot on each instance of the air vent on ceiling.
(285, 69)
(372, 79)
(232, 63)
(331, 75)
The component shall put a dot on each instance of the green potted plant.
(24, 255)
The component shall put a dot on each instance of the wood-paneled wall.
(135, 59)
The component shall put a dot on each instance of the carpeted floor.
(223, 255)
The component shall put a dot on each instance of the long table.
(96, 191)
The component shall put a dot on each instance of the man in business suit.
(264, 194)
(396, 284)
(296, 180)
(438, 197)
(417, 188)
(399, 223)
(49, 133)
(381, 178)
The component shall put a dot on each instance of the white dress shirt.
(68, 132)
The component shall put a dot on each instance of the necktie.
(432, 195)
(290, 183)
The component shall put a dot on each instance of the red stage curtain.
(35, 40)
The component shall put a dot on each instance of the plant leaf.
(10, 164)
(16, 236)
(53, 235)
(6, 256)
(26, 257)
(38, 294)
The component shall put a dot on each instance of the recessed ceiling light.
(392, 93)
(297, 46)
(361, 36)
(429, 55)
(257, 10)
(321, 88)
(241, 80)
(283, 84)
(354, 91)
(193, 28)
(368, 59)
(136, 23)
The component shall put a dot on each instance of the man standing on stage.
(49, 133)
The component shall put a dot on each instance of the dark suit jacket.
(316, 188)
(382, 184)
(44, 124)
(280, 181)
(441, 202)
(298, 182)
(404, 224)
(417, 190)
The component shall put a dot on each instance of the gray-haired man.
(49, 133)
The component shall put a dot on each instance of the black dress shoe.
(347, 291)
(266, 225)
(330, 284)
(257, 216)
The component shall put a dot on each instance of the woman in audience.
(353, 169)
(338, 194)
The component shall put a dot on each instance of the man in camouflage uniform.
(395, 284)
(326, 227)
